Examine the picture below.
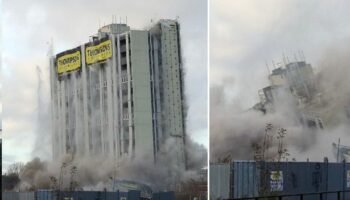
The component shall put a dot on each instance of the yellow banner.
(99, 52)
(68, 61)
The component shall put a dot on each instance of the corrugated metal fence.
(18, 195)
(220, 175)
(83, 195)
(252, 179)
(246, 179)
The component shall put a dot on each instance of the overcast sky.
(245, 34)
(28, 26)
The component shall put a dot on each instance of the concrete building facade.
(293, 83)
(123, 97)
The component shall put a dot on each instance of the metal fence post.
(301, 197)
(321, 196)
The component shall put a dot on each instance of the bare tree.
(62, 171)
(54, 182)
(225, 159)
(261, 153)
(282, 151)
(73, 183)
(15, 168)
(267, 139)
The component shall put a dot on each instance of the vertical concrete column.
(130, 117)
(85, 103)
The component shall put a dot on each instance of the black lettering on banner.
(68, 61)
(98, 51)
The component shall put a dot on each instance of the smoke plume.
(234, 130)
(97, 173)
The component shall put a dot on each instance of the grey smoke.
(96, 172)
(42, 126)
(233, 129)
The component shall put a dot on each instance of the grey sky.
(28, 26)
(245, 34)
